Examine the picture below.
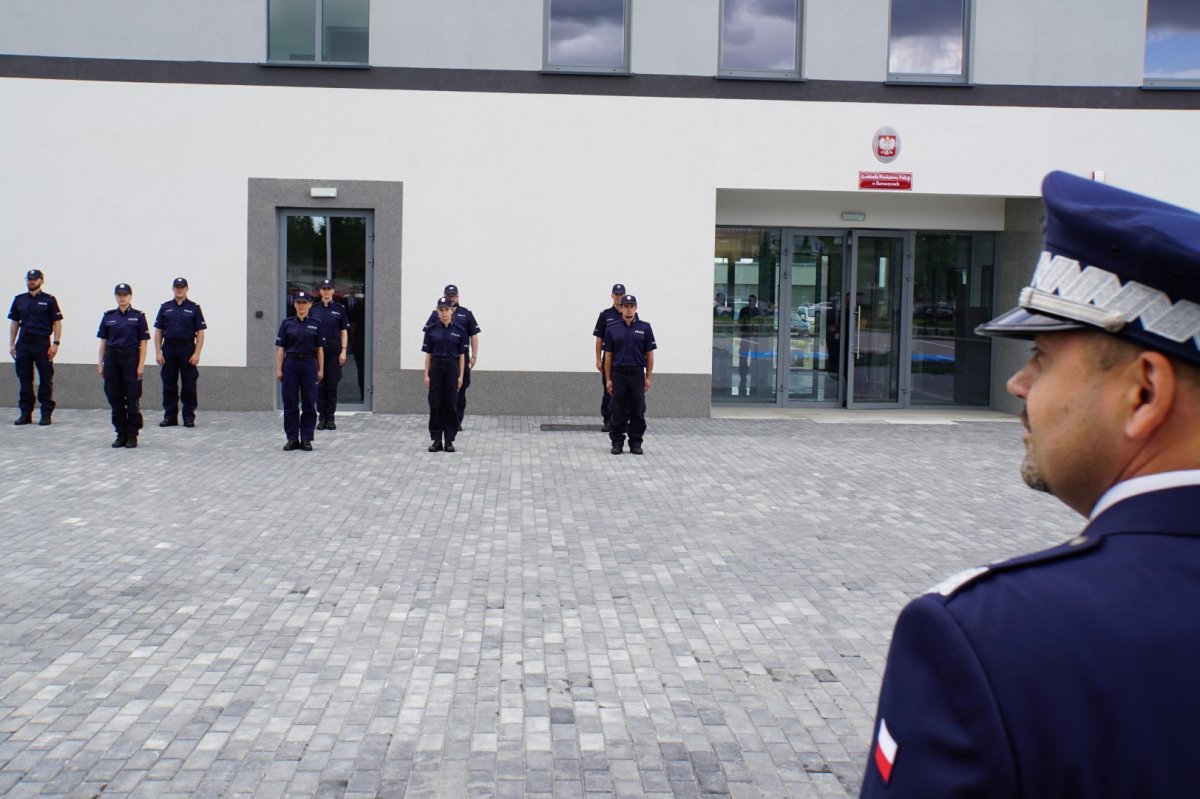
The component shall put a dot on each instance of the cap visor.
(1020, 323)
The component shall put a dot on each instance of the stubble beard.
(1032, 475)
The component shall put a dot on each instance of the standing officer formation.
(33, 339)
(123, 335)
(628, 364)
(299, 366)
(608, 316)
(445, 348)
(331, 316)
(466, 320)
(1072, 672)
(178, 339)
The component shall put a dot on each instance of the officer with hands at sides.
(299, 366)
(123, 335)
(608, 316)
(445, 348)
(178, 339)
(334, 320)
(1071, 672)
(466, 320)
(33, 340)
(628, 365)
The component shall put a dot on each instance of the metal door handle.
(858, 332)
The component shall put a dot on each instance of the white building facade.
(873, 188)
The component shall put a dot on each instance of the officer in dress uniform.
(466, 320)
(445, 348)
(299, 366)
(1072, 672)
(33, 339)
(628, 364)
(608, 316)
(334, 321)
(123, 335)
(178, 339)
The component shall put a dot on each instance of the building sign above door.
(886, 181)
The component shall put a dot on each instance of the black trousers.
(299, 398)
(628, 405)
(605, 405)
(123, 388)
(176, 370)
(460, 405)
(327, 389)
(34, 351)
(443, 398)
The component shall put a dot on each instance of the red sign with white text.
(885, 181)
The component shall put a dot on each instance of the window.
(586, 36)
(1173, 44)
(317, 31)
(928, 41)
(760, 39)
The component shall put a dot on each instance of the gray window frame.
(963, 78)
(794, 74)
(1162, 83)
(318, 42)
(593, 69)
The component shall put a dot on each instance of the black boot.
(45, 420)
(131, 441)
(119, 443)
(24, 418)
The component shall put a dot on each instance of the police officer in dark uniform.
(299, 366)
(466, 320)
(33, 340)
(608, 316)
(1072, 672)
(445, 348)
(628, 365)
(178, 339)
(334, 321)
(123, 335)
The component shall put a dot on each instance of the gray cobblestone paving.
(208, 616)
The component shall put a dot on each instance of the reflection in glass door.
(746, 315)
(874, 321)
(813, 335)
(316, 246)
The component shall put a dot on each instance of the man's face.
(180, 293)
(628, 312)
(326, 293)
(445, 314)
(34, 284)
(616, 298)
(123, 300)
(453, 299)
(1071, 418)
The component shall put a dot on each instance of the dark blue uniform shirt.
(1068, 673)
(124, 331)
(332, 320)
(629, 343)
(180, 320)
(463, 318)
(300, 339)
(608, 316)
(36, 314)
(444, 341)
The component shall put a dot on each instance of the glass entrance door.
(316, 245)
(812, 337)
(746, 315)
(875, 325)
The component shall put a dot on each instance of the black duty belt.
(629, 368)
(181, 341)
(444, 357)
(291, 356)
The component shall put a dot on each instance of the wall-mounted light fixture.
(854, 216)
(317, 191)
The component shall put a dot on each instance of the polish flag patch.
(885, 751)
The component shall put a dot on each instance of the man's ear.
(1151, 393)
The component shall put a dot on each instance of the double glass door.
(316, 246)
(810, 316)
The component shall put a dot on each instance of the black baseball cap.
(122, 288)
(629, 299)
(619, 288)
(450, 289)
(326, 284)
(179, 283)
(302, 296)
(34, 274)
(444, 302)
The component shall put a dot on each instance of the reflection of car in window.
(801, 322)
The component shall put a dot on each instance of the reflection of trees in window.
(587, 33)
(760, 36)
(1173, 42)
(928, 38)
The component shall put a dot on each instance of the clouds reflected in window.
(587, 34)
(760, 38)
(928, 39)
(1173, 43)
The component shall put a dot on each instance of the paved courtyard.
(530, 616)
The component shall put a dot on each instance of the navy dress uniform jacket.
(1067, 673)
